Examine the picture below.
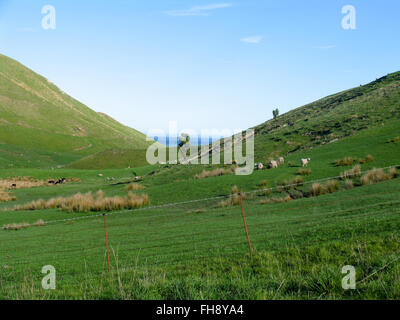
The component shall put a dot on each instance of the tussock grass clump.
(6, 196)
(369, 158)
(23, 225)
(349, 184)
(21, 183)
(86, 203)
(317, 189)
(233, 200)
(393, 173)
(215, 173)
(347, 161)
(16, 226)
(39, 223)
(29, 182)
(296, 181)
(266, 192)
(374, 176)
(354, 172)
(133, 187)
(304, 172)
(276, 200)
(332, 186)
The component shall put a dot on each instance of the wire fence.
(158, 236)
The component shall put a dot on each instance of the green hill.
(330, 119)
(41, 126)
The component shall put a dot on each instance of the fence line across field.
(206, 241)
(310, 205)
(211, 198)
(317, 216)
(214, 219)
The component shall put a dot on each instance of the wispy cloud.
(198, 10)
(252, 39)
(325, 47)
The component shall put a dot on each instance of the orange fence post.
(245, 224)
(108, 253)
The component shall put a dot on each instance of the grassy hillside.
(112, 159)
(41, 126)
(330, 119)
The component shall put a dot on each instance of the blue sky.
(206, 64)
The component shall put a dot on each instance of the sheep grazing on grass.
(281, 161)
(304, 162)
(259, 166)
(273, 164)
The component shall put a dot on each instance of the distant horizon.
(172, 141)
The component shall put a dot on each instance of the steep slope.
(42, 126)
(330, 119)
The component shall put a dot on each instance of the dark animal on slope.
(61, 181)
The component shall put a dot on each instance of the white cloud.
(198, 10)
(252, 39)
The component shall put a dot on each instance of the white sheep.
(259, 166)
(304, 162)
(280, 161)
(273, 164)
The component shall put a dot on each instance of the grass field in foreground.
(300, 248)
